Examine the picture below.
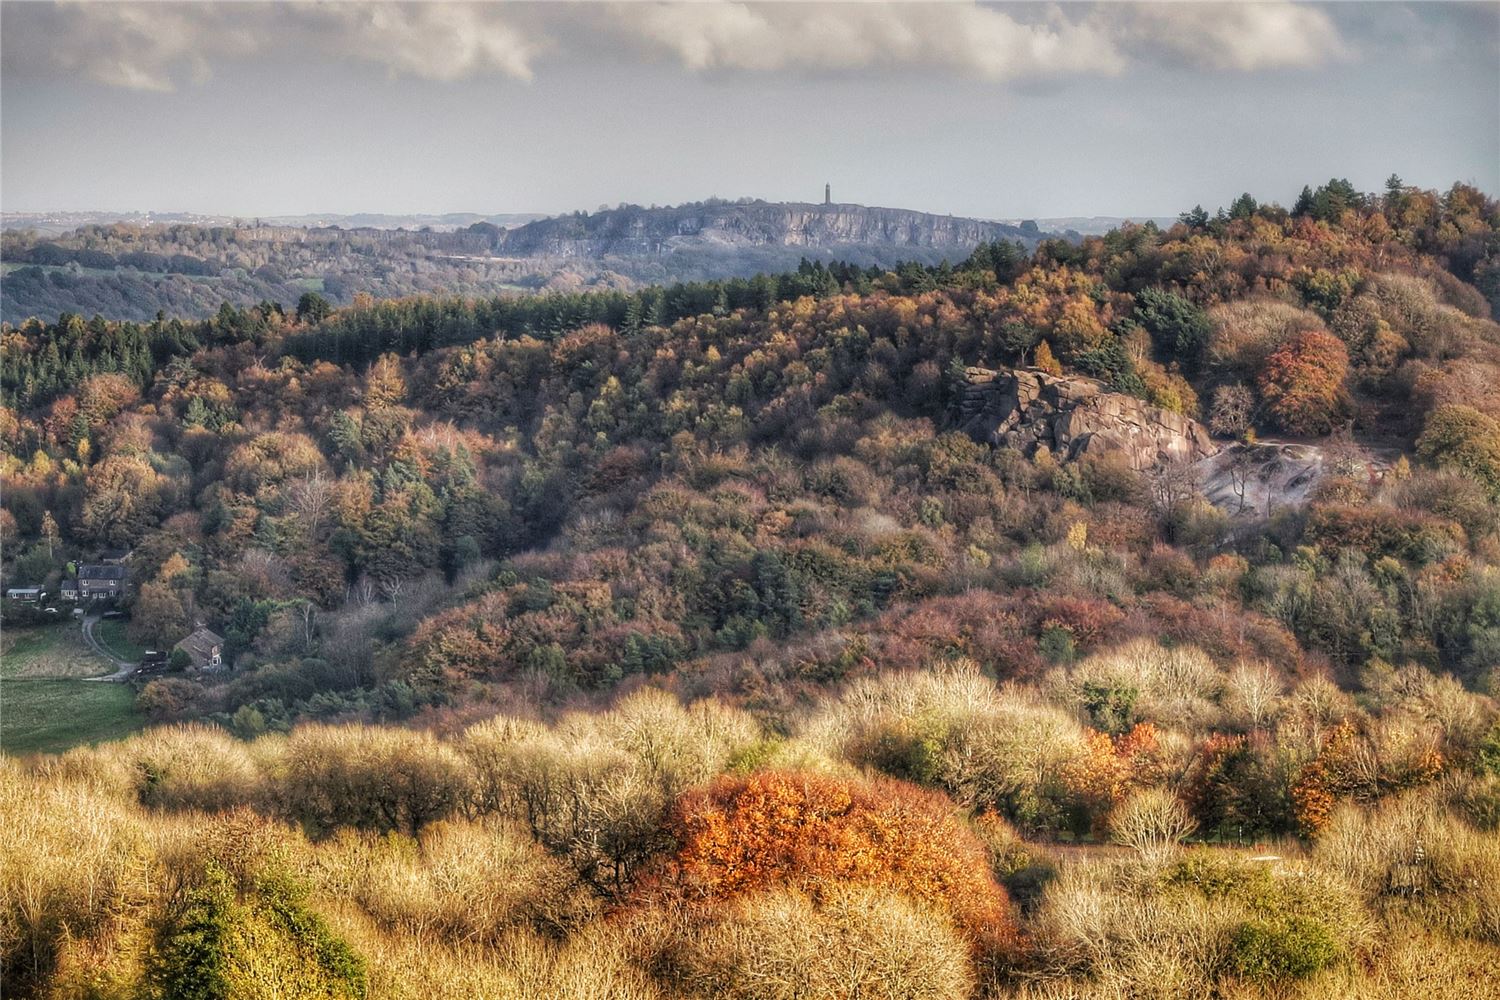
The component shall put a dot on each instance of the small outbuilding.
(204, 650)
(25, 595)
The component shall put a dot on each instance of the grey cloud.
(1243, 37)
(980, 41)
(435, 41)
(156, 46)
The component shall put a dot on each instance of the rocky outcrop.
(1258, 478)
(633, 231)
(1028, 409)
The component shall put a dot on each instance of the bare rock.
(1028, 409)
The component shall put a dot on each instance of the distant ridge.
(633, 230)
(57, 223)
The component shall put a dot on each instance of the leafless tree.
(363, 591)
(308, 612)
(1174, 485)
(1231, 410)
(392, 587)
(310, 497)
(1255, 690)
(1342, 455)
(1152, 822)
(1241, 464)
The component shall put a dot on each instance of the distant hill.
(636, 231)
(1098, 225)
(132, 266)
(58, 223)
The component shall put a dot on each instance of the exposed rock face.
(1071, 416)
(1258, 478)
(636, 231)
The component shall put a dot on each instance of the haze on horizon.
(995, 111)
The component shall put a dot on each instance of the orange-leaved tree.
(1303, 382)
(812, 832)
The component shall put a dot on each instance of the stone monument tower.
(828, 194)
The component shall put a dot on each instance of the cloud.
(1242, 37)
(432, 41)
(978, 41)
(155, 46)
(139, 46)
(152, 46)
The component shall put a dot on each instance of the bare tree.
(392, 587)
(1230, 412)
(308, 612)
(1152, 822)
(310, 497)
(1343, 456)
(1173, 486)
(363, 591)
(1255, 690)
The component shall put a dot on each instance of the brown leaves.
(816, 833)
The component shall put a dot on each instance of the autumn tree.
(1463, 439)
(1045, 360)
(1303, 383)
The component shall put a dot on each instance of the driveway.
(123, 670)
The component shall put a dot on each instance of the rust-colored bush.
(816, 833)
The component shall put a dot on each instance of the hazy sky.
(995, 110)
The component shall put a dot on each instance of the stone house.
(204, 649)
(97, 580)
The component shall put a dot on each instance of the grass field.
(49, 716)
(111, 635)
(50, 651)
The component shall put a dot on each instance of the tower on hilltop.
(828, 194)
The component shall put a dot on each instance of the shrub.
(989, 748)
(372, 778)
(853, 944)
(814, 833)
(266, 944)
(193, 767)
(1176, 686)
(595, 789)
(1463, 439)
(1152, 822)
(463, 881)
(1268, 952)
(1408, 854)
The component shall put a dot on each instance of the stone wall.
(1028, 409)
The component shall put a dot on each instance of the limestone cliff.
(1071, 416)
(632, 231)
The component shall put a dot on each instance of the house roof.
(200, 645)
(93, 571)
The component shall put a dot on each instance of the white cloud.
(154, 46)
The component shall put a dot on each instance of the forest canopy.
(657, 642)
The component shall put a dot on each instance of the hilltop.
(631, 230)
(190, 266)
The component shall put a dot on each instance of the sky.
(988, 110)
